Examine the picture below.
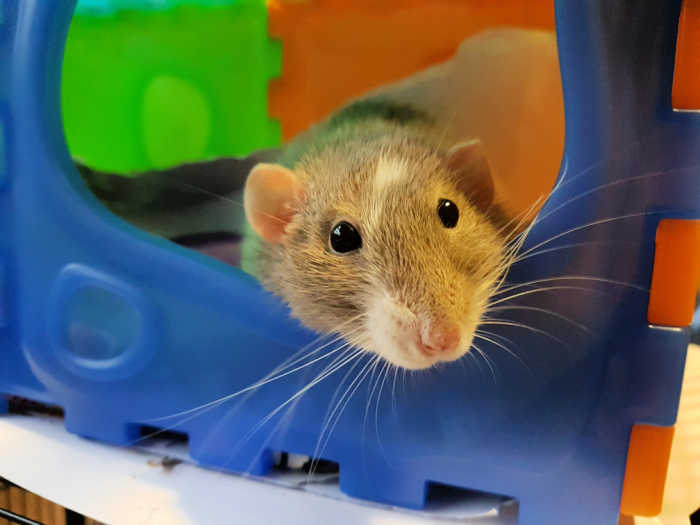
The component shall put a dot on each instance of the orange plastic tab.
(676, 273)
(334, 50)
(645, 474)
(686, 77)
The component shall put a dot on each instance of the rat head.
(391, 247)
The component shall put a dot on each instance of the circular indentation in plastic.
(100, 327)
(176, 121)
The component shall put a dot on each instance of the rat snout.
(438, 337)
(411, 339)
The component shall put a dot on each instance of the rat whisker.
(487, 361)
(473, 359)
(618, 182)
(449, 122)
(393, 389)
(224, 199)
(323, 375)
(370, 395)
(503, 347)
(618, 155)
(236, 407)
(568, 246)
(386, 369)
(377, 361)
(339, 409)
(202, 409)
(542, 310)
(254, 386)
(590, 225)
(522, 218)
(286, 419)
(525, 327)
(545, 289)
(330, 411)
(510, 255)
(494, 335)
(590, 278)
(287, 363)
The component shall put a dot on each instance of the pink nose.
(439, 337)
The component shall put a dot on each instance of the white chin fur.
(388, 328)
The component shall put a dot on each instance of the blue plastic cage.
(121, 328)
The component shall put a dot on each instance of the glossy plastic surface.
(550, 427)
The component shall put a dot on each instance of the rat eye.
(448, 213)
(345, 238)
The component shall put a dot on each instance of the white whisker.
(574, 278)
(545, 289)
(487, 361)
(502, 346)
(339, 409)
(393, 390)
(270, 377)
(525, 327)
(567, 246)
(299, 393)
(590, 225)
(542, 310)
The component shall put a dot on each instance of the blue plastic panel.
(122, 329)
(4, 127)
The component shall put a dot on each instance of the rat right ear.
(468, 160)
(271, 198)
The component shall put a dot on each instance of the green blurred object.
(152, 88)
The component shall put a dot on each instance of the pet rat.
(386, 223)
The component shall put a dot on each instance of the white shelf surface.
(130, 486)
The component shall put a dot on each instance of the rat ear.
(468, 160)
(271, 198)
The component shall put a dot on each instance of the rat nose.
(439, 337)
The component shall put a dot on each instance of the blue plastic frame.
(552, 432)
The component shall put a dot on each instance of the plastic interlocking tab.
(676, 273)
(686, 92)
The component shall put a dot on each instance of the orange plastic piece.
(645, 474)
(686, 77)
(676, 274)
(334, 50)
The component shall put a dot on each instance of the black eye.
(345, 238)
(448, 213)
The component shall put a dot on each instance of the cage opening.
(443, 497)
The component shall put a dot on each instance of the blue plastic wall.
(120, 328)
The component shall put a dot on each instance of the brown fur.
(406, 249)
